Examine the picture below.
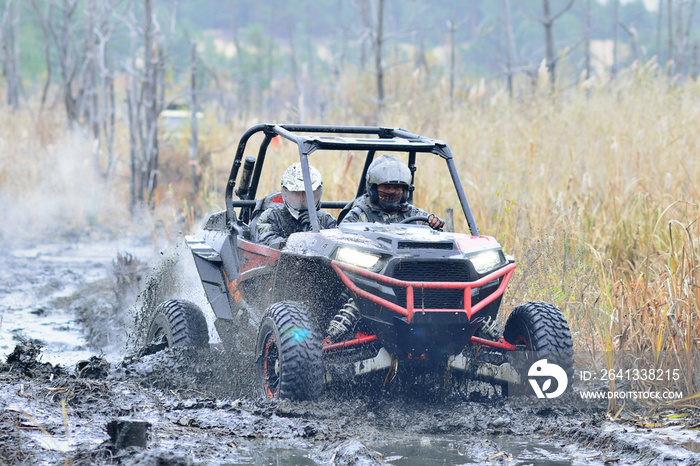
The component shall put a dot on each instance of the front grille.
(432, 271)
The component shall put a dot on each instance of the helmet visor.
(390, 196)
(296, 200)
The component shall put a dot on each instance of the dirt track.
(199, 410)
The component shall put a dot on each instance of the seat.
(261, 206)
(348, 207)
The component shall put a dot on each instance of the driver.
(281, 220)
(386, 200)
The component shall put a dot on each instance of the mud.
(65, 383)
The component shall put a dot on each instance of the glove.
(435, 222)
(304, 218)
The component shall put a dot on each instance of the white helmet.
(293, 192)
(387, 169)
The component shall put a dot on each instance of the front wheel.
(177, 323)
(540, 331)
(289, 360)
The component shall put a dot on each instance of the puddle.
(490, 450)
(33, 280)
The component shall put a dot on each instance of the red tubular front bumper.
(506, 272)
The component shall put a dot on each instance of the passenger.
(386, 200)
(281, 220)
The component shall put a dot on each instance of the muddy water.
(39, 288)
(75, 300)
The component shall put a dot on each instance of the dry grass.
(594, 189)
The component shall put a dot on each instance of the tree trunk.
(47, 51)
(510, 45)
(659, 23)
(109, 126)
(270, 61)
(680, 43)
(549, 41)
(91, 86)
(149, 180)
(548, 23)
(379, 65)
(10, 53)
(67, 57)
(193, 121)
(587, 39)
(671, 55)
(452, 29)
(419, 60)
(616, 19)
(134, 123)
(684, 34)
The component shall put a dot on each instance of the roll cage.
(327, 137)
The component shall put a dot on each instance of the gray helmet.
(293, 192)
(387, 169)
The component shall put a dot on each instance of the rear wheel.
(540, 331)
(288, 354)
(177, 323)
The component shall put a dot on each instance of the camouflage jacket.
(363, 210)
(276, 224)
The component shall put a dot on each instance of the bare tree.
(104, 73)
(378, 58)
(547, 22)
(90, 76)
(146, 95)
(364, 10)
(419, 60)
(686, 39)
(270, 59)
(510, 44)
(60, 19)
(194, 144)
(659, 23)
(679, 36)
(683, 32)
(9, 25)
(671, 58)
(86, 76)
(587, 39)
(616, 19)
(47, 48)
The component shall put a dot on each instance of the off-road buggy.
(335, 305)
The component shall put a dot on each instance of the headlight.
(352, 256)
(487, 261)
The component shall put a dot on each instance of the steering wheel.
(415, 218)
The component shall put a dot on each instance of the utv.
(334, 305)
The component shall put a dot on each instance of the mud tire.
(289, 361)
(177, 323)
(542, 330)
